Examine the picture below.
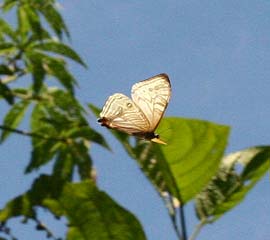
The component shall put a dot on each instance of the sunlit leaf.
(188, 161)
(23, 23)
(7, 29)
(14, 117)
(238, 174)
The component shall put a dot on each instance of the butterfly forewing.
(152, 96)
(120, 112)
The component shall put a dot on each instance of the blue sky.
(217, 56)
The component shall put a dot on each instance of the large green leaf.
(186, 164)
(238, 174)
(91, 213)
(14, 117)
(193, 153)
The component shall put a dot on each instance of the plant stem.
(197, 230)
(31, 134)
(183, 222)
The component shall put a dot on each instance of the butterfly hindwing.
(120, 112)
(152, 96)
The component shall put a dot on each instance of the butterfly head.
(103, 121)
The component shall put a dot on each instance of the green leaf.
(60, 48)
(7, 30)
(14, 117)
(54, 19)
(7, 48)
(23, 23)
(89, 212)
(52, 66)
(33, 20)
(188, 161)
(45, 145)
(193, 153)
(94, 109)
(238, 174)
(8, 5)
(63, 166)
(6, 93)
(89, 134)
(38, 71)
(5, 70)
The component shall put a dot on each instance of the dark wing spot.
(129, 105)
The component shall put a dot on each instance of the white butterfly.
(141, 115)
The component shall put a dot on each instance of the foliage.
(34, 48)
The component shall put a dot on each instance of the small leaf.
(23, 23)
(5, 70)
(14, 117)
(33, 19)
(8, 5)
(7, 29)
(94, 109)
(57, 68)
(53, 66)
(60, 48)
(7, 48)
(6, 93)
(54, 19)
(230, 186)
(89, 134)
(38, 72)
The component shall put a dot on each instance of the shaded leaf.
(89, 211)
(38, 72)
(45, 146)
(57, 68)
(6, 93)
(7, 48)
(52, 66)
(89, 134)
(5, 70)
(230, 186)
(33, 20)
(14, 117)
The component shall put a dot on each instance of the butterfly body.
(140, 115)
